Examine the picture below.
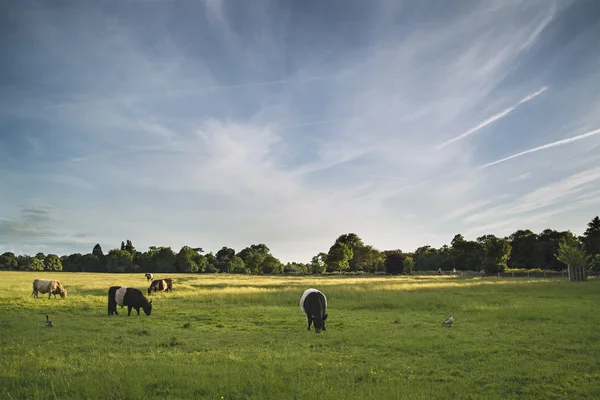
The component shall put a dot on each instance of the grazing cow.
(48, 286)
(130, 297)
(161, 285)
(149, 276)
(314, 304)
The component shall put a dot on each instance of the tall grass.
(244, 337)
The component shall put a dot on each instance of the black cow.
(130, 297)
(161, 285)
(314, 304)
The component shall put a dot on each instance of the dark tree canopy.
(523, 249)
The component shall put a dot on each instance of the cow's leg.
(309, 322)
(324, 325)
(49, 294)
(129, 310)
(138, 310)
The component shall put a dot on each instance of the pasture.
(244, 337)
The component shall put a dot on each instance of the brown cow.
(48, 286)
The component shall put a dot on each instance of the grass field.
(245, 337)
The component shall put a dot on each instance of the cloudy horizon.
(216, 123)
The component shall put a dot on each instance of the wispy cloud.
(184, 124)
(544, 147)
(493, 118)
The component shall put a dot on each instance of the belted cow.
(149, 276)
(314, 303)
(48, 286)
(161, 285)
(130, 297)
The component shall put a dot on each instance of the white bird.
(48, 323)
(448, 320)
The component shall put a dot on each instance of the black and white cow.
(314, 304)
(130, 297)
(160, 285)
(149, 276)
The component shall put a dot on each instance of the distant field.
(244, 337)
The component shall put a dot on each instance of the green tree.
(8, 261)
(408, 265)
(524, 244)
(338, 257)
(547, 247)
(591, 237)
(129, 248)
(52, 263)
(572, 253)
(272, 265)
(317, 264)
(496, 252)
(72, 263)
(28, 263)
(185, 261)
(465, 254)
(40, 256)
(119, 261)
(211, 263)
(355, 243)
(371, 260)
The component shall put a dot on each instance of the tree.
(317, 263)
(355, 243)
(254, 257)
(394, 262)
(122, 245)
(465, 254)
(338, 257)
(119, 261)
(272, 265)
(211, 263)
(591, 237)
(97, 251)
(571, 252)
(524, 244)
(547, 247)
(52, 263)
(408, 265)
(496, 252)
(371, 260)
(27, 263)
(72, 263)
(8, 261)
(185, 261)
(40, 256)
(129, 247)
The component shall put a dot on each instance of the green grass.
(244, 337)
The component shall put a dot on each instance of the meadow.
(244, 337)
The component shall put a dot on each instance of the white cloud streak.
(493, 118)
(543, 147)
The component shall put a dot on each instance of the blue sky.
(226, 123)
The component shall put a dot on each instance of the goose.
(448, 320)
(48, 322)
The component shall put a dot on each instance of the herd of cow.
(313, 302)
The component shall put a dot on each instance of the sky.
(214, 123)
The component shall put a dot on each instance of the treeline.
(523, 249)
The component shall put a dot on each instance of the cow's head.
(148, 308)
(62, 291)
(149, 290)
(319, 322)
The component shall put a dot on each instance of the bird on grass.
(448, 320)
(48, 322)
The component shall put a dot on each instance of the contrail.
(546, 146)
(493, 118)
(166, 92)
